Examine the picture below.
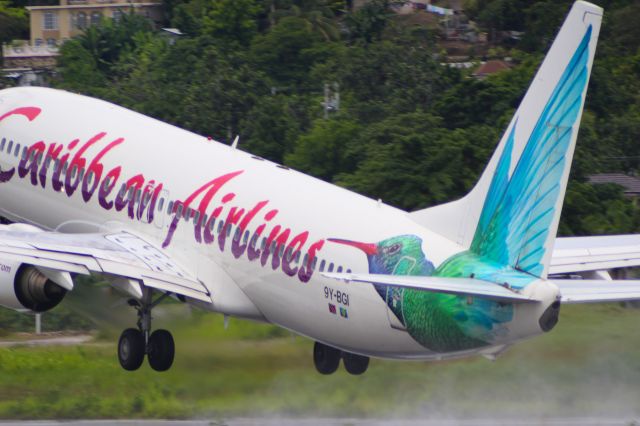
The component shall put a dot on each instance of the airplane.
(88, 187)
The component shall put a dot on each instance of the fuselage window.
(179, 210)
(212, 224)
(64, 168)
(229, 230)
(161, 204)
(281, 250)
(246, 237)
(298, 256)
(264, 243)
(17, 150)
(196, 217)
(339, 269)
(313, 264)
(304, 260)
(322, 265)
(236, 236)
(81, 174)
(348, 271)
(9, 147)
(170, 207)
(330, 267)
(187, 214)
(220, 225)
(2, 144)
(24, 152)
(254, 240)
(288, 254)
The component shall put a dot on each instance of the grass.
(588, 366)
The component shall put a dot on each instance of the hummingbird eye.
(394, 249)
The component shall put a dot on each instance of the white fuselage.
(264, 198)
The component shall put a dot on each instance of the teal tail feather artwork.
(509, 241)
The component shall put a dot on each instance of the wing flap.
(595, 291)
(177, 289)
(457, 286)
(47, 263)
(121, 254)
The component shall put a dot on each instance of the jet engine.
(25, 287)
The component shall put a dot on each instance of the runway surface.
(342, 422)
(48, 341)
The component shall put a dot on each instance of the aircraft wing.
(120, 254)
(596, 291)
(579, 254)
(458, 286)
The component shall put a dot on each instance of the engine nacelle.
(24, 287)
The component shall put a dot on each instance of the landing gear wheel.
(131, 349)
(355, 364)
(326, 358)
(161, 350)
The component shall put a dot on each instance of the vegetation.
(408, 130)
(588, 366)
(14, 22)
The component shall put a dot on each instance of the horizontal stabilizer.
(597, 291)
(457, 286)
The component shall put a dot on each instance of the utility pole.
(331, 101)
(38, 324)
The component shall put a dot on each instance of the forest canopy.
(408, 130)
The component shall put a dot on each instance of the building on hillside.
(51, 25)
(27, 61)
(630, 184)
(27, 65)
(490, 67)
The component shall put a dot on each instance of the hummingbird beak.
(368, 248)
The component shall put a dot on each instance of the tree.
(223, 90)
(232, 22)
(273, 124)
(14, 23)
(412, 161)
(369, 22)
(326, 149)
(78, 70)
(286, 52)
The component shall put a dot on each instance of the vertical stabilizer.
(511, 216)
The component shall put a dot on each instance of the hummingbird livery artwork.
(509, 242)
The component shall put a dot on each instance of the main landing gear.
(327, 360)
(135, 343)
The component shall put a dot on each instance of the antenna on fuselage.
(234, 145)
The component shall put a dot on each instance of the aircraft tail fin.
(511, 216)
